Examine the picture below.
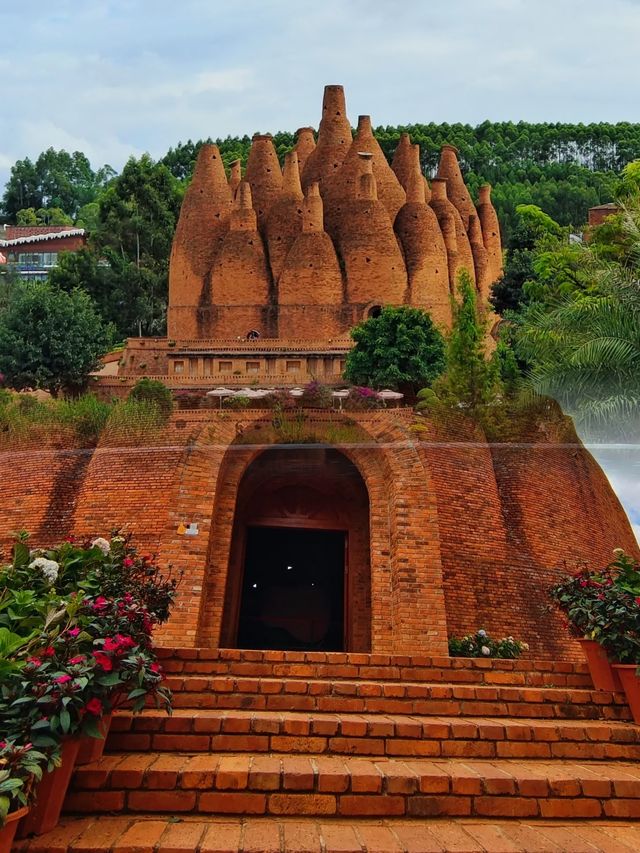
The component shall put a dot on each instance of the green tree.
(154, 392)
(50, 339)
(399, 349)
(470, 380)
(43, 216)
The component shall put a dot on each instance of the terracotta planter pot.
(8, 831)
(631, 683)
(602, 673)
(50, 794)
(91, 748)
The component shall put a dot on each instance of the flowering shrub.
(316, 396)
(76, 626)
(20, 768)
(604, 606)
(481, 645)
(362, 399)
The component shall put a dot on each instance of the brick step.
(351, 666)
(341, 696)
(165, 834)
(358, 787)
(372, 734)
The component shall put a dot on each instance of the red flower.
(100, 603)
(77, 659)
(34, 661)
(155, 667)
(62, 679)
(49, 652)
(103, 661)
(110, 645)
(94, 706)
(638, 600)
(127, 562)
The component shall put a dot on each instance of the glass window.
(253, 367)
(293, 366)
(178, 367)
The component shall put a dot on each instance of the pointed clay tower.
(454, 233)
(334, 138)
(264, 175)
(203, 222)
(311, 281)
(457, 192)
(284, 221)
(343, 184)
(480, 260)
(235, 176)
(369, 248)
(240, 278)
(425, 252)
(404, 159)
(490, 232)
(305, 144)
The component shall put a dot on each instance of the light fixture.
(255, 586)
(289, 568)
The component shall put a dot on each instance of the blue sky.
(114, 78)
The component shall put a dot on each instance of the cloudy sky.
(113, 78)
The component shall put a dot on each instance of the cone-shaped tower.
(480, 260)
(235, 176)
(284, 221)
(457, 192)
(310, 289)
(334, 138)
(203, 222)
(490, 232)
(369, 248)
(425, 252)
(454, 233)
(264, 175)
(305, 144)
(404, 159)
(240, 281)
(342, 185)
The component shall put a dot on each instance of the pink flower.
(62, 679)
(77, 659)
(125, 642)
(73, 632)
(100, 603)
(155, 667)
(34, 661)
(94, 706)
(49, 652)
(127, 562)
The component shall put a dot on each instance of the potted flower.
(20, 767)
(481, 645)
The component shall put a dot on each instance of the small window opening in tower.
(253, 335)
(374, 311)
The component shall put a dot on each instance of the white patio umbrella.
(341, 394)
(388, 394)
(296, 392)
(220, 393)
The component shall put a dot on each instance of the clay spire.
(480, 260)
(311, 278)
(454, 233)
(427, 188)
(264, 175)
(203, 222)
(240, 278)
(370, 251)
(235, 176)
(457, 192)
(305, 144)
(404, 160)
(342, 184)
(490, 231)
(425, 251)
(334, 138)
(284, 221)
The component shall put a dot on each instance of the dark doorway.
(293, 590)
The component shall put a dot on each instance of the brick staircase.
(293, 751)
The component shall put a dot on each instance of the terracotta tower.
(263, 175)
(480, 260)
(425, 251)
(490, 231)
(454, 232)
(235, 176)
(311, 277)
(240, 280)
(334, 138)
(369, 248)
(457, 192)
(305, 144)
(203, 222)
(403, 164)
(284, 221)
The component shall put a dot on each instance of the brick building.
(32, 250)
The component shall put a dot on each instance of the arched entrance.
(299, 567)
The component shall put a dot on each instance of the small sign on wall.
(190, 529)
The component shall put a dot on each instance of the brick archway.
(407, 599)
